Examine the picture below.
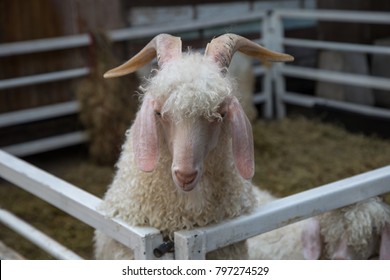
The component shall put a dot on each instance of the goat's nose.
(185, 178)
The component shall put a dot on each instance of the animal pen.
(148, 243)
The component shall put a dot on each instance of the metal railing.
(278, 41)
(74, 201)
(194, 244)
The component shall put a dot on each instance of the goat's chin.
(193, 201)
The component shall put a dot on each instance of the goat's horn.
(222, 49)
(166, 47)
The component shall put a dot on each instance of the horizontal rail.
(44, 78)
(305, 43)
(78, 203)
(37, 237)
(7, 253)
(337, 15)
(74, 41)
(46, 144)
(39, 113)
(259, 98)
(281, 212)
(336, 77)
(147, 31)
(310, 101)
(259, 70)
(43, 45)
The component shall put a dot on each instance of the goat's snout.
(186, 180)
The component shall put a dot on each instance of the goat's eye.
(223, 115)
(219, 118)
(157, 113)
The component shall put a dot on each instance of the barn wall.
(29, 20)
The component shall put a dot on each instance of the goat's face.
(190, 108)
(189, 141)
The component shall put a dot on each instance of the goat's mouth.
(186, 181)
(188, 187)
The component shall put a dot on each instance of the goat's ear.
(145, 139)
(242, 139)
(311, 239)
(384, 252)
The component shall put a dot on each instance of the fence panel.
(283, 97)
(196, 243)
(78, 203)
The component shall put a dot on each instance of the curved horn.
(222, 49)
(166, 47)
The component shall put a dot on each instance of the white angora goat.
(358, 231)
(188, 157)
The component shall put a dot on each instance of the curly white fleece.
(360, 223)
(190, 87)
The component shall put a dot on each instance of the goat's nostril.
(185, 178)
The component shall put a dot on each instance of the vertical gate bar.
(266, 81)
(273, 38)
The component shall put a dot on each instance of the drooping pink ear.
(242, 139)
(145, 139)
(384, 251)
(311, 239)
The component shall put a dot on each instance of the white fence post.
(273, 38)
(189, 246)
